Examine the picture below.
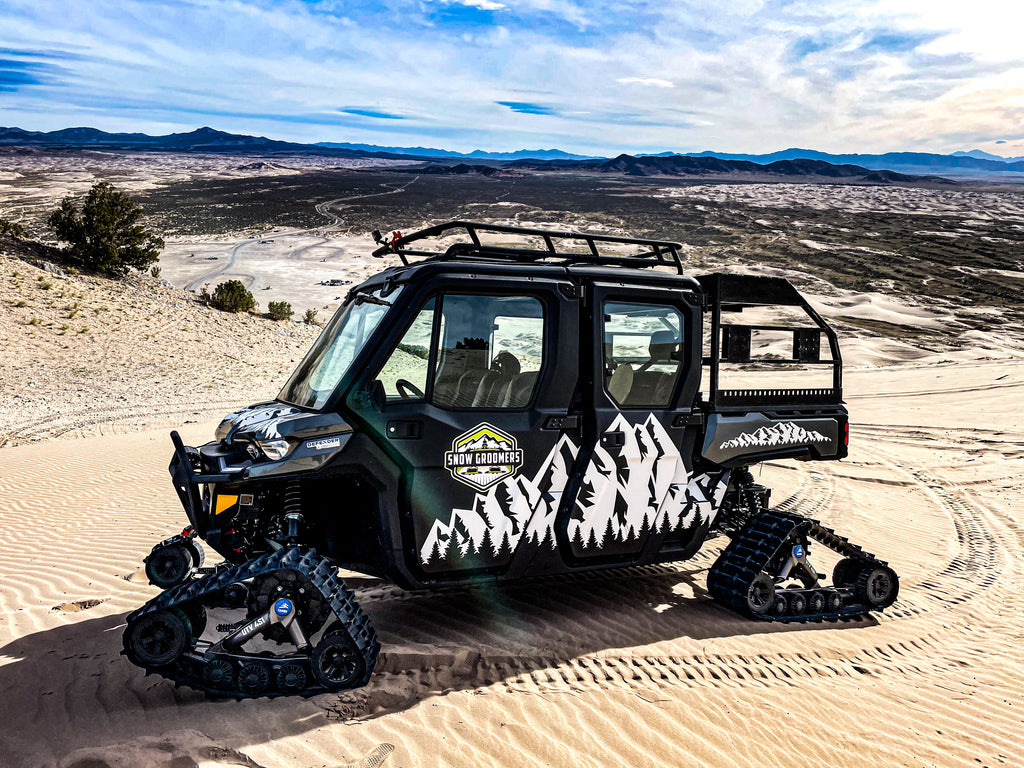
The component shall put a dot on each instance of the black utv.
(541, 402)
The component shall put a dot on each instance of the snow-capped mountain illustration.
(486, 443)
(515, 509)
(644, 487)
(783, 433)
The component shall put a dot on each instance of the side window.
(491, 350)
(642, 348)
(404, 375)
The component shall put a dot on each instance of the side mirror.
(376, 395)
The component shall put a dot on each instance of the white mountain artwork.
(513, 508)
(784, 433)
(646, 486)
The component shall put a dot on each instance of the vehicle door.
(473, 404)
(637, 495)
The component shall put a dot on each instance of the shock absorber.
(292, 507)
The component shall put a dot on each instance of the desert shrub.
(415, 350)
(154, 271)
(310, 317)
(279, 310)
(231, 296)
(106, 235)
(12, 228)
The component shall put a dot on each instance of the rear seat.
(655, 387)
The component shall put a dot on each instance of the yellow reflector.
(222, 503)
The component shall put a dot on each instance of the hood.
(274, 421)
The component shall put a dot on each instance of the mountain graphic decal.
(783, 433)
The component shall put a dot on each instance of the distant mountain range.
(907, 162)
(689, 165)
(200, 140)
(891, 166)
(477, 154)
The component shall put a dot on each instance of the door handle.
(404, 430)
(613, 439)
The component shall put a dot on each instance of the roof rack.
(657, 253)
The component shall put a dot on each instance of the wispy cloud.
(657, 82)
(597, 77)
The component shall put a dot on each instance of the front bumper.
(187, 482)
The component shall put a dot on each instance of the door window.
(490, 352)
(405, 373)
(642, 349)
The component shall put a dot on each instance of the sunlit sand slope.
(636, 667)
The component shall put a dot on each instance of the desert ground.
(634, 667)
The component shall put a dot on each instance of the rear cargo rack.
(734, 292)
(653, 253)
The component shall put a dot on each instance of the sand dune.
(635, 667)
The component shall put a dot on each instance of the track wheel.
(219, 674)
(157, 639)
(253, 678)
(336, 662)
(845, 572)
(291, 678)
(816, 602)
(196, 615)
(797, 604)
(779, 604)
(169, 566)
(878, 586)
(761, 594)
(833, 600)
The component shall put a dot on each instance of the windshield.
(344, 337)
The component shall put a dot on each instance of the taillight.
(846, 433)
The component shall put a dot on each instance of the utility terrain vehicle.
(540, 403)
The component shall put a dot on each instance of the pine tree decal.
(486, 549)
(505, 550)
(577, 539)
(453, 554)
(609, 534)
(592, 541)
(548, 541)
(435, 560)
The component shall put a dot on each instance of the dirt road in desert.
(634, 668)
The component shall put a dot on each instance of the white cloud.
(849, 76)
(483, 5)
(653, 81)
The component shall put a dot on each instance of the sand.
(637, 667)
(634, 668)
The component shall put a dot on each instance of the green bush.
(231, 296)
(279, 310)
(12, 228)
(154, 271)
(415, 350)
(106, 235)
(310, 317)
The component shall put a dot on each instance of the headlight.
(275, 450)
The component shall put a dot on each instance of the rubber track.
(188, 668)
(753, 549)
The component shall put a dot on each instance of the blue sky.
(594, 77)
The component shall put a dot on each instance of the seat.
(620, 383)
(655, 387)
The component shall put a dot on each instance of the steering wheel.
(408, 390)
